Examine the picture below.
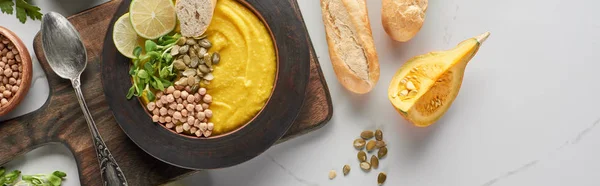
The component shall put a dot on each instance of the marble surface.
(526, 113)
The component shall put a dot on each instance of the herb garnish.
(24, 9)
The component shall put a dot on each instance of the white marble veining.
(527, 112)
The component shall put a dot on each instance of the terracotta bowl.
(245, 143)
(25, 74)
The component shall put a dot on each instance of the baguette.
(402, 19)
(351, 46)
(194, 16)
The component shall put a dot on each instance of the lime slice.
(152, 18)
(124, 37)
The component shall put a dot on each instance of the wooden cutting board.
(60, 120)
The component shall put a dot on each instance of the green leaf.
(59, 174)
(6, 6)
(150, 95)
(131, 92)
(2, 171)
(150, 46)
(11, 177)
(137, 51)
(148, 67)
(54, 180)
(142, 74)
(24, 9)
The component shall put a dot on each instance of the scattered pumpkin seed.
(204, 43)
(181, 41)
(204, 69)
(195, 61)
(200, 37)
(199, 73)
(365, 166)
(179, 65)
(189, 72)
(346, 169)
(191, 81)
(216, 58)
(367, 134)
(381, 178)
(359, 143)
(184, 49)
(380, 144)
(371, 145)
(175, 50)
(202, 51)
(209, 77)
(374, 161)
(382, 152)
(362, 156)
(181, 82)
(378, 135)
(192, 53)
(207, 60)
(197, 80)
(190, 41)
(332, 174)
(187, 60)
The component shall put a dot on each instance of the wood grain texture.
(60, 119)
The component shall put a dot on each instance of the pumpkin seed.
(204, 69)
(200, 37)
(202, 51)
(189, 72)
(380, 144)
(190, 41)
(362, 156)
(378, 135)
(182, 81)
(332, 174)
(199, 73)
(197, 80)
(382, 152)
(195, 88)
(181, 41)
(179, 65)
(367, 134)
(191, 81)
(187, 60)
(216, 58)
(371, 145)
(184, 49)
(359, 143)
(209, 77)
(374, 161)
(204, 43)
(381, 178)
(175, 50)
(207, 60)
(195, 61)
(346, 169)
(192, 53)
(365, 166)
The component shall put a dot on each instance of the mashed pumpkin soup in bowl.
(205, 96)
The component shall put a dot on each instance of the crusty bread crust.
(194, 16)
(347, 27)
(402, 19)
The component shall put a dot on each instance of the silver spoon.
(68, 58)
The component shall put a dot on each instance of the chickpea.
(202, 91)
(14, 89)
(197, 98)
(4, 102)
(201, 115)
(7, 94)
(170, 90)
(207, 133)
(170, 98)
(179, 100)
(161, 119)
(186, 127)
(184, 113)
(2, 88)
(177, 94)
(184, 94)
(168, 119)
(173, 106)
(198, 133)
(170, 112)
(208, 113)
(158, 104)
(179, 107)
(198, 108)
(190, 99)
(207, 98)
(188, 88)
(7, 72)
(163, 111)
(196, 123)
(177, 115)
(12, 81)
(193, 130)
(210, 126)
(179, 129)
(205, 106)
(169, 125)
(203, 126)
(185, 102)
(190, 120)
(190, 108)
(156, 112)
(151, 106)
(155, 118)
(159, 94)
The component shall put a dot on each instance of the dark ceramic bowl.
(234, 147)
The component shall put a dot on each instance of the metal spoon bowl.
(67, 57)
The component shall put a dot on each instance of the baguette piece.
(194, 16)
(351, 46)
(402, 19)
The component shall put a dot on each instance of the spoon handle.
(110, 172)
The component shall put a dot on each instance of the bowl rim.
(26, 73)
(264, 22)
